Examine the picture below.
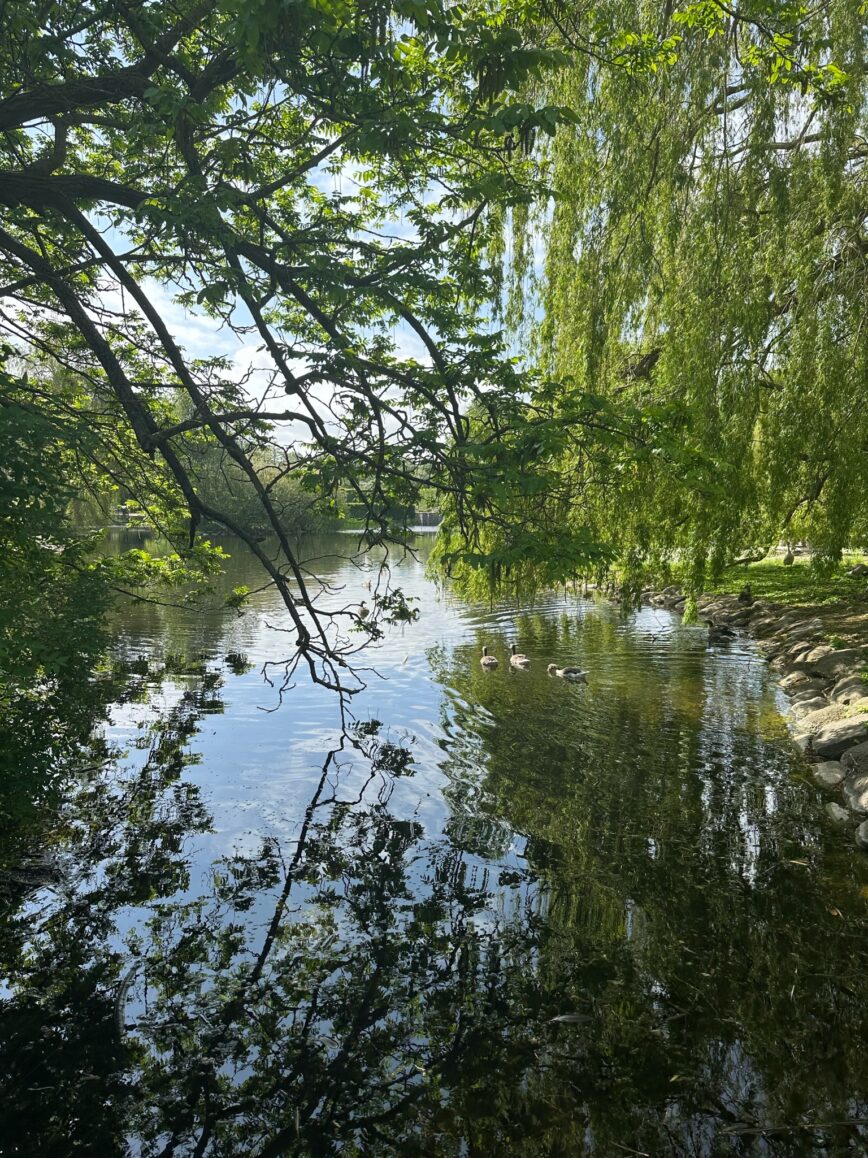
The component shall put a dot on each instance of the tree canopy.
(314, 178)
(666, 205)
(700, 267)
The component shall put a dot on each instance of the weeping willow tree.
(695, 286)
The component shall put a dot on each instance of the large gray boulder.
(829, 774)
(790, 649)
(763, 626)
(810, 691)
(808, 707)
(795, 619)
(819, 652)
(856, 759)
(814, 722)
(856, 791)
(797, 629)
(795, 681)
(791, 660)
(847, 661)
(800, 652)
(837, 813)
(712, 607)
(847, 689)
(834, 739)
(862, 834)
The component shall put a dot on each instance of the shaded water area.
(500, 915)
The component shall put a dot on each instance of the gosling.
(568, 673)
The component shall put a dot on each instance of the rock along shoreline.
(828, 711)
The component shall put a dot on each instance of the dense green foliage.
(313, 178)
(667, 204)
(701, 270)
(51, 608)
(54, 593)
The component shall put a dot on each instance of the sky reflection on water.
(503, 915)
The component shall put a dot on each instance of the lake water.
(499, 915)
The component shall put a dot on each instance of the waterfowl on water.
(719, 633)
(568, 673)
(364, 610)
(488, 661)
(518, 660)
(717, 638)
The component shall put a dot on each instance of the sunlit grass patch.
(799, 584)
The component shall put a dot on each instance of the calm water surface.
(499, 915)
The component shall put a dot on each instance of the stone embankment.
(827, 686)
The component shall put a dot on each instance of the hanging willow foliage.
(699, 274)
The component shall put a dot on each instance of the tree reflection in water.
(368, 989)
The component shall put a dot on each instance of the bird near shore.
(719, 633)
(364, 610)
(568, 673)
(518, 659)
(489, 662)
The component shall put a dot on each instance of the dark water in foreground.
(503, 916)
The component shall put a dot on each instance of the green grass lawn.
(797, 585)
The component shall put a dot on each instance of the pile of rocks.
(828, 696)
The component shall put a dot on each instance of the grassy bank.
(798, 585)
(840, 601)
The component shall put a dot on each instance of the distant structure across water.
(427, 518)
